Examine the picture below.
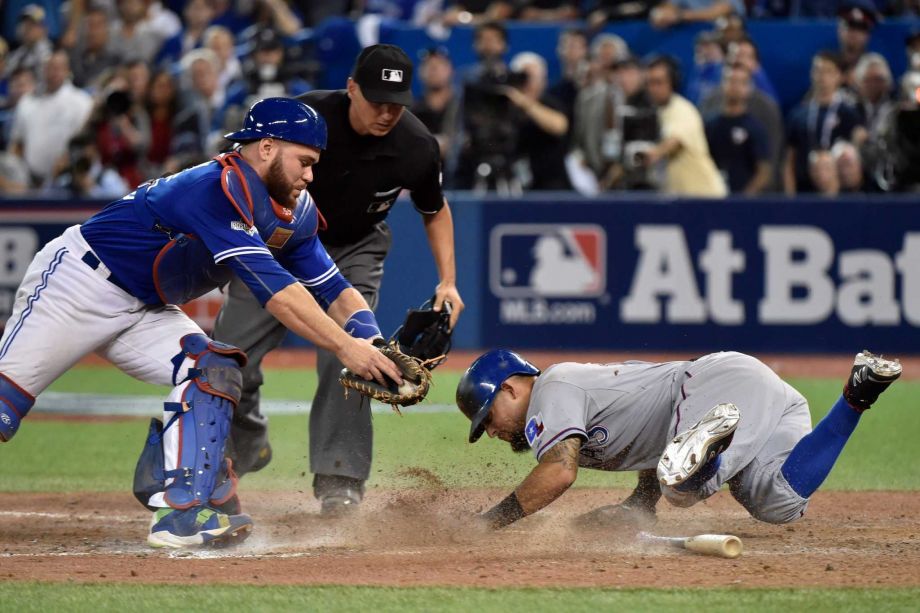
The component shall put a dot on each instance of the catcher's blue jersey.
(178, 237)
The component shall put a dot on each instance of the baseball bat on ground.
(722, 545)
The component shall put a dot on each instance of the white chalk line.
(126, 519)
(115, 404)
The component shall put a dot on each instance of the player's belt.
(89, 258)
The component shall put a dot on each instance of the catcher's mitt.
(415, 374)
(425, 334)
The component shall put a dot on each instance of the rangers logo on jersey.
(548, 260)
(534, 429)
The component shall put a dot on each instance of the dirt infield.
(413, 537)
(417, 536)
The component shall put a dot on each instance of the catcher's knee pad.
(15, 404)
(212, 388)
(150, 475)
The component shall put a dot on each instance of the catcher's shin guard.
(203, 412)
(15, 404)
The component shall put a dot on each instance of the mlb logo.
(392, 75)
(548, 261)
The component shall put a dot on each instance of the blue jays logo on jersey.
(533, 429)
(548, 260)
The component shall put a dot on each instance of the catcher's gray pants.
(341, 436)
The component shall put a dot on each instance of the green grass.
(25, 597)
(286, 384)
(101, 456)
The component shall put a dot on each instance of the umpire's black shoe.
(871, 375)
(338, 495)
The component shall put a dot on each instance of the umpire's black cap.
(384, 73)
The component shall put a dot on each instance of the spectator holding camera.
(737, 141)
(900, 138)
(84, 175)
(44, 122)
(489, 118)
(613, 119)
(688, 167)
(542, 135)
(122, 127)
(819, 121)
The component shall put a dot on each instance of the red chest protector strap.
(236, 187)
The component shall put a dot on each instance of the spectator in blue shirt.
(819, 121)
(745, 52)
(737, 142)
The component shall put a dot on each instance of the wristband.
(504, 513)
(362, 324)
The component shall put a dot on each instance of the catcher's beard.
(278, 186)
(519, 442)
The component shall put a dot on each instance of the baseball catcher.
(417, 347)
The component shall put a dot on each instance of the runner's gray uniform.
(627, 413)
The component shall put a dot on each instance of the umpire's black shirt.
(358, 178)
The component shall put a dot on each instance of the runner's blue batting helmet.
(285, 119)
(482, 381)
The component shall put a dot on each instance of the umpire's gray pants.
(341, 436)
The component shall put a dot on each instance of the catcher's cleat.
(692, 449)
(197, 527)
(871, 375)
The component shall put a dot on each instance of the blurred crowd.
(97, 96)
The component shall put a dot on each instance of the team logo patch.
(384, 199)
(598, 435)
(392, 75)
(548, 260)
(279, 237)
(534, 429)
(243, 227)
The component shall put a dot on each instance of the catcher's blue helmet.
(285, 119)
(483, 379)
